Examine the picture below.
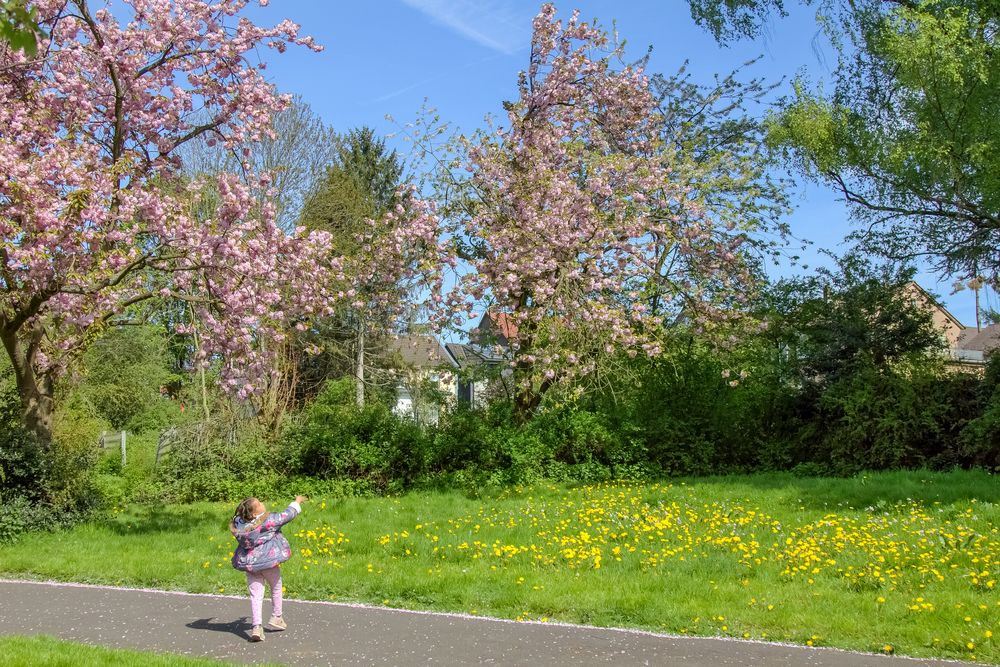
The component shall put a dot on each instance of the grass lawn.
(50, 652)
(904, 563)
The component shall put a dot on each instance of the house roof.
(463, 355)
(986, 339)
(505, 323)
(495, 325)
(421, 351)
(934, 302)
(470, 356)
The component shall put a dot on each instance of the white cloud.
(493, 24)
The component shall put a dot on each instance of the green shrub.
(336, 439)
(123, 372)
(44, 488)
(23, 469)
(899, 419)
(19, 515)
(460, 442)
(222, 459)
(978, 443)
(74, 455)
(14, 518)
(576, 436)
(111, 490)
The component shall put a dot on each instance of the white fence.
(113, 440)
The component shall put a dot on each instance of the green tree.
(863, 360)
(361, 184)
(294, 158)
(908, 132)
(126, 375)
(732, 19)
(830, 324)
(718, 154)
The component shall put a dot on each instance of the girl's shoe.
(276, 623)
(257, 634)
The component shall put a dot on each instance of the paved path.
(339, 634)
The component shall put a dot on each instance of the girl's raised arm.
(290, 512)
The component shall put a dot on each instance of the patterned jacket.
(261, 546)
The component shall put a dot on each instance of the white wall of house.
(408, 403)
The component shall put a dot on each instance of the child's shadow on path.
(238, 628)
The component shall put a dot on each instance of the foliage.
(376, 172)
(73, 455)
(871, 420)
(847, 375)
(679, 415)
(57, 479)
(389, 240)
(126, 378)
(907, 133)
(732, 19)
(857, 315)
(94, 222)
(225, 458)
(979, 441)
(722, 162)
(865, 384)
(20, 515)
(23, 467)
(605, 202)
(43, 489)
(336, 438)
(19, 26)
(293, 155)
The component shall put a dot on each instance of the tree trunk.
(359, 367)
(528, 398)
(525, 402)
(38, 410)
(201, 369)
(35, 392)
(279, 393)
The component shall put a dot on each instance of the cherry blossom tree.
(94, 216)
(582, 226)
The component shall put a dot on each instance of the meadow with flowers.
(902, 563)
(609, 231)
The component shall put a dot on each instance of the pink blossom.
(581, 203)
(92, 209)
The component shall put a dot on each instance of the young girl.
(261, 550)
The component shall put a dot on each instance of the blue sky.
(462, 56)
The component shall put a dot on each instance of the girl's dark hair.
(245, 509)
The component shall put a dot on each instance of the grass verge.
(893, 562)
(44, 651)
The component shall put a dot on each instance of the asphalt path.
(322, 633)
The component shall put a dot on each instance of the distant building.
(426, 377)
(478, 372)
(482, 363)
(494, 329)
(968, 349)
(976, 346)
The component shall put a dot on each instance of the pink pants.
(255, 582)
